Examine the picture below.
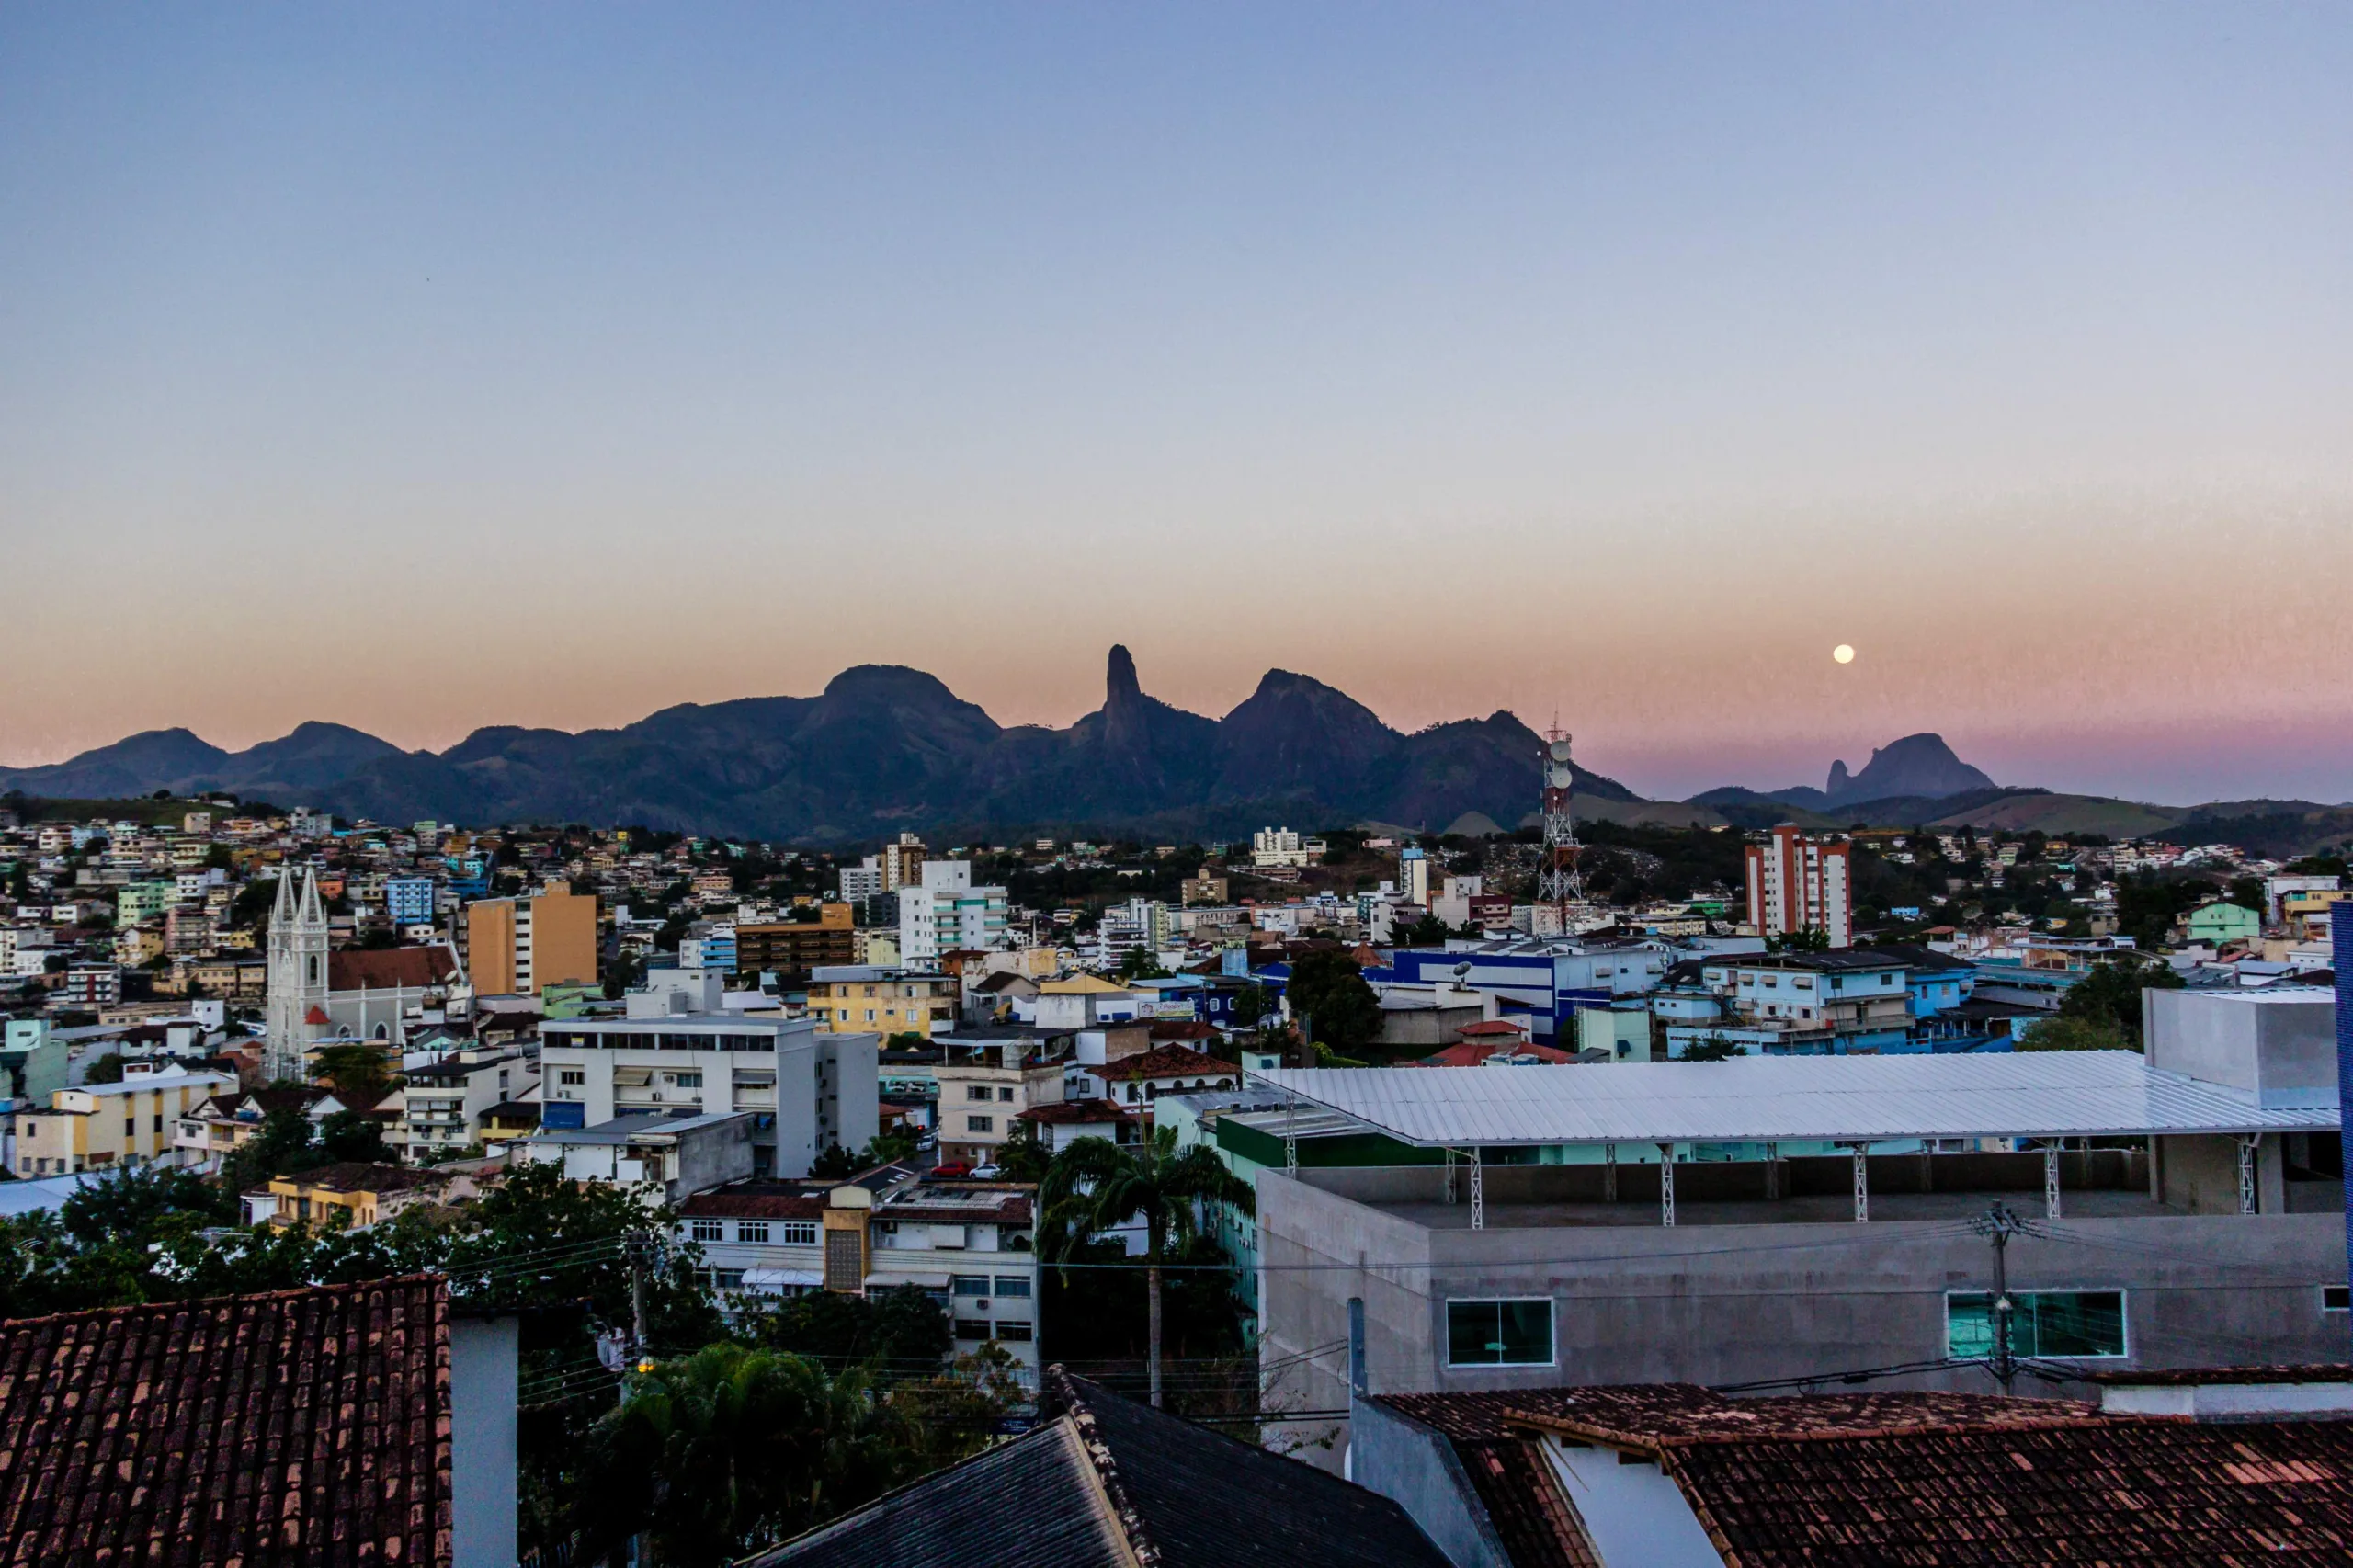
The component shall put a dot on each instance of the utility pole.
(639, 1356)
(2001, 1225)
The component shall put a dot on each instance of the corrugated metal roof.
(1791, 1099)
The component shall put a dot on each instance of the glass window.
(1014, 1287)
(1499, 1334)
(2335, 1298)
(979, 1123)
(971, 1328)
(706, 1230)
(968, 1284)
(1006, 1095)
(686, 1080)
(570, 1075)
(1013, 1332)
(752, 1230)
(2068, 1323)
(977, 1092)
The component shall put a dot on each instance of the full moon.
(1843, 654)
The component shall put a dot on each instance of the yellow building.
(884, 1001)
(132, 1123)
(358, 1195)
(521, 946)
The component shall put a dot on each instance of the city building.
(519, 946)
(133, 1122)
(348, 994)
(1414, 877)
(1803, 1216)
(803, 1089)
(409, 901)
(945, 913)
(353, 1195)
(988, 1078)
(1277, 846)
(444, 1102)
(222, 1123)
(866, 999)
(1798, 882)
(784, 946)
(969, 1245)
(671, 1153)
(1203, 889)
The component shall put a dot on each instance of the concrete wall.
(483, 1389)
(1635, 1516)
(2200, 1174)
(1731, 1304)
(2281, 1046)
(1417, 1468)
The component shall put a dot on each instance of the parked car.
(986, 1172)
(953, 1170)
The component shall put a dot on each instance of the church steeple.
(298, 973)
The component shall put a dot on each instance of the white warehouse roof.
(1790, 1098)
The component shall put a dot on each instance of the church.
(319, 995)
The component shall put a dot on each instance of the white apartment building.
(804, 1090)
(947, 913)
(134, 1123)
(1277, 846)
(969, 1245)
(443, 1102)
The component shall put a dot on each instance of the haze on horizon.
(528, 364)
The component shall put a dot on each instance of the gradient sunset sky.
(426, 365)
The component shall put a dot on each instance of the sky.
(428, 366)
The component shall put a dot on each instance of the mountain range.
(882, 748)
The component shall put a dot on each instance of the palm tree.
(1096, 1185)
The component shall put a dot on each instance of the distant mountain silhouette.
(882, 748)
(1918, 765)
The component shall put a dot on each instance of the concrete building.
(882, 1000)
(671, 1155)
(946, 913)
(134, 1123)
(1277, 846)
(354, 1196)
(781, 947)
(1800, 1217)
(444, 1102)
(801, 1089)
(1546, 978)
(520, 946)
(969, 1245)
(1798, 882)
(989, 1078)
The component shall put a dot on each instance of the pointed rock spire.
(1121, 686)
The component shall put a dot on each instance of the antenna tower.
(1557, 880)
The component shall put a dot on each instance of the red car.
(952, 1169)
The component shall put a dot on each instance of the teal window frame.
(2046, 1326)
(1486, 1331)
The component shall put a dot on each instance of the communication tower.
(1557, 880)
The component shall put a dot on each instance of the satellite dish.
(1561, 749)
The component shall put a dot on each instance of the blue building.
(1546, 978)
(409, 900)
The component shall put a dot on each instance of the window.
(968, 1284)
(2071, 1323)
(752, 1230)
(980, 1124)
(706, 1230)
(1006, 1095)
(1013, 1332)
(2335, 1298)
(971, 1328)
(686, 1080)
(1014, 1287)
(977, 1092)
(800, 1234)
(1499, 1334)
(573, 1075)
(130, 1125)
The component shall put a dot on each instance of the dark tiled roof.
(1041, 1512)
(2178, 1377)
(1675, 1415)
(357, 1175)
(1062, 1113)
(1172, 1062)
(308, 1426)
(383, 969)
(722, 1203)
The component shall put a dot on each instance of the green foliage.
(349, 1136)
(1810, 940)
(1023, 1156)
(897, 1332)
(2061, 1032)
(833, 1162)
(1139, 964)
(2110, 994)
(1250, 1005)
(1715, 1047)
(734, 1448)
(1328, 988)
(358, 1071)
(886, 1149)
(1096, 1185)
(282, 1144)
(107, 1069)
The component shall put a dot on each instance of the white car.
(986, 1172)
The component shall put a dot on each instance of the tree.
(283, 1141)
(1251, 1004)
(887, 1149)
(833, 1162)
(1715, 1047)
(2063, 1033)
(1329, 990)
(2110, 994)
(1094, 1186)
(897, 1332)
(358, 1073)
(107, 1069)
(1139, 964)
(1023, 1156)
(348, 1136)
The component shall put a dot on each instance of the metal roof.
(1790, 1098)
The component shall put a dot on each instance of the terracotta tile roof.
(1182, 1029)
(382, 969)
(724, 1205)
(1472, 1052)
(1065, 1113)
(1171, 1062)
(2182, 1377)
(1855, 1480)
(1494, 1028)
(306, 1426)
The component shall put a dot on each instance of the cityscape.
(794, 787)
